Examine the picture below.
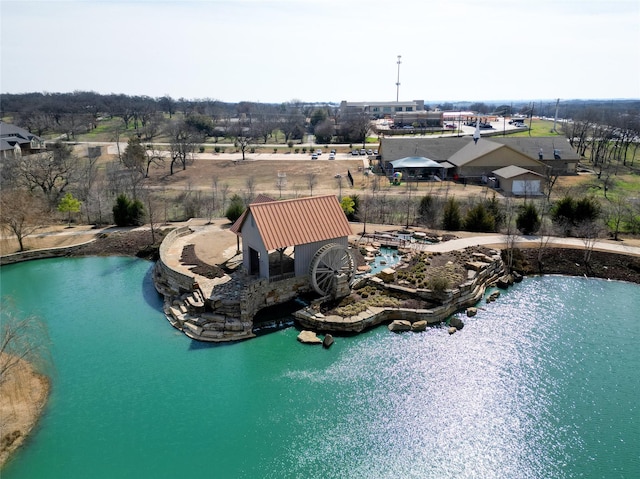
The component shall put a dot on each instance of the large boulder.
(399, 325)
(504, 281)
(327, 341)
(419, 326)
(471, 312)
(456, 322)
(309, 337)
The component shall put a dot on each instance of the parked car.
(318, 152)
(375, 152)
(332, 156)
(314, 156)
(369, 152)
(355, 152)
(333, 151)
(363, 151)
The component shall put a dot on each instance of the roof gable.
(237, 226)
(513, 171)
(299, 221)
(9, 131)
(473, 151)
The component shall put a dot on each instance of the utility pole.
(555, 118)
(398, 82)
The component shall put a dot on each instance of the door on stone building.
(254, 262)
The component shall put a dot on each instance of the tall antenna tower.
(398, 82)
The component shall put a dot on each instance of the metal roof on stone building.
(297, 221)
(235, 228)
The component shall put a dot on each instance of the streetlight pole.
(398, 81)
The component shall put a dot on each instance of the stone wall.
(465, 295)
(168, 281)
(262, 293)
(41, 253)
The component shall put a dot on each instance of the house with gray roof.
(523, 164)
(16, 141)
(555, 152)
(477, 160)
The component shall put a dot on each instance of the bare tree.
(243, 136)
(50, 172)
(510, 230)
(588, 231)
(339, 182)
(182, 145)
(281, 182)
(21, 213)
(154, 157)
(616, 211)
(312, 180)
(224, 194)
(22, 338)
(151, 203)
(118, 130)
(250, 183)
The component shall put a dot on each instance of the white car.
(332, 156)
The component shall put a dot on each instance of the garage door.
(526, 187)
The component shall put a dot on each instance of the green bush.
(235, 209)
(438, 284)
(128, 212)
(452, 220)
(479, 219)
(528, 219)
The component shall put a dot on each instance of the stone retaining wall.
(467, 294)
(168, 281)
(262, 293)
(41, 253)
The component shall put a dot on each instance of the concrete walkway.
(530, 241)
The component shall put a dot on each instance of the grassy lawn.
(539, 128)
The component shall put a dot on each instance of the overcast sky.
(324, 50)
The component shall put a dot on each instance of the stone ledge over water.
(466, 295)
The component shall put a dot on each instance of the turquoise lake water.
(544, 383)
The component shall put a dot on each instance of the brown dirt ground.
(22, 397)
(200, 175)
